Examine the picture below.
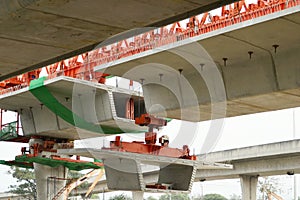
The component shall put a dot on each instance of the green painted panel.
(42, 93)
(77, 166)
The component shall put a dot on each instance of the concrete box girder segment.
(124, 169)
(267, 81)
(37, 33)
(264, 160)
(71, 108)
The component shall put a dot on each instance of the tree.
(174, 197)
(151, 198)
(235, 197)
(27, 184)
(120, 197)
(94, 196)
(26, 180)
(266, 185)
(197, 198)
(213, 197)
(74, 175)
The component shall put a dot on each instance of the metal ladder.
(68, 188)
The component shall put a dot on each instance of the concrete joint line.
(275, 73)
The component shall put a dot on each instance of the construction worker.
(164, 141)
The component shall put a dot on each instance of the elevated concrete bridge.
(36, 33)
(263, 160)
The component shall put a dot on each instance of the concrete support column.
(48, 187)
(47, 184)
(249, 186)
(137, 195)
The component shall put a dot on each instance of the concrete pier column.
(249, 186)
(47, 178)
(48, 187)
(137, 195)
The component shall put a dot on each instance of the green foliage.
(213, 197)
(26, 180)
(197, 198)
(94, 196)
(235, 197)
(120, 197)
(151, 198)
(266, 185)
(174, 197)
(76, 175)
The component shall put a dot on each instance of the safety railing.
(9, 131)
(12, 89)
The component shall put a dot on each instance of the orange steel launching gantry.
(149, 145)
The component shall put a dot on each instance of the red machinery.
(48, 146)
(149, 146)
(16, 82)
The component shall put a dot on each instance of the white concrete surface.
(95, 103)
(137, 195)
(249, 187)
(262, 160)
(47, 187)
(268, 81)
(49, 180)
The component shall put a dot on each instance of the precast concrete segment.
(137, 195)
(38, 89)
(123, 169)
(265, 82)
(263, 160)
(143, 158)
(50, 108)
(122, 174)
